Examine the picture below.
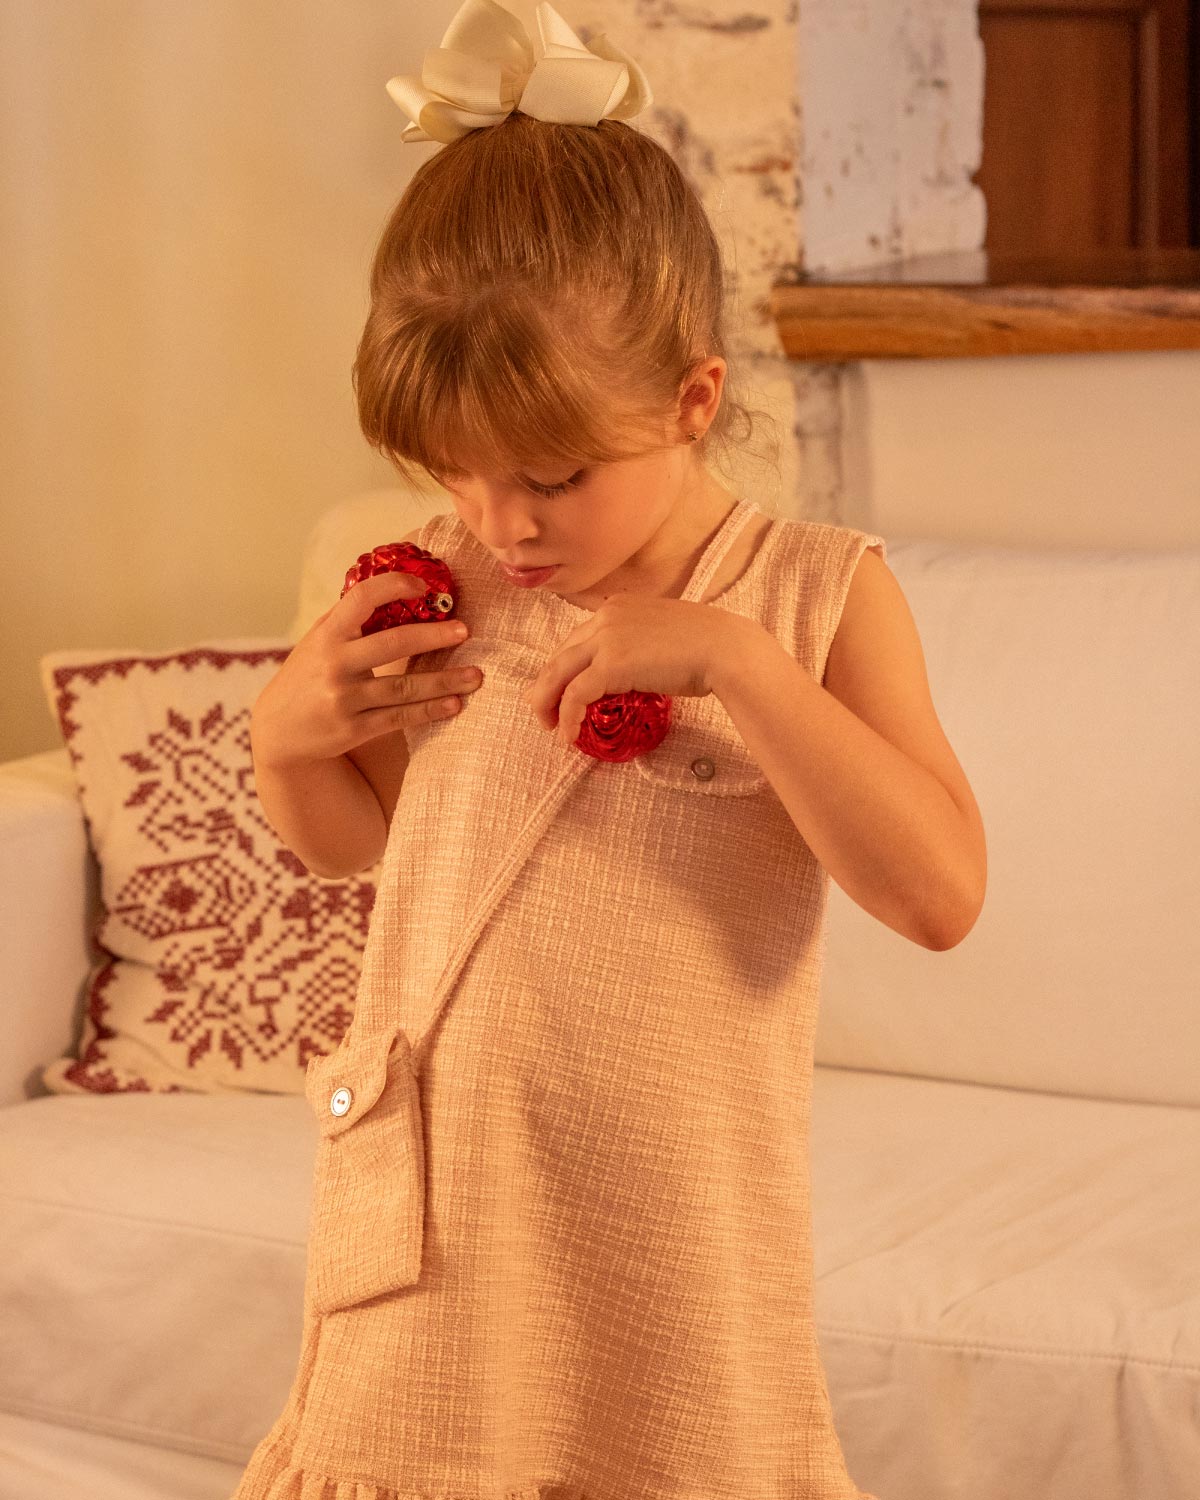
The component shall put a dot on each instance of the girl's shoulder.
(803, 588)
(820, 543)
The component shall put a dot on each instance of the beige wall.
(1077, 450)
(191, 196)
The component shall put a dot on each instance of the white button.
(703, 768)
(340, 1101)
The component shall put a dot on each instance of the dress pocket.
(368, 1203)
(703, 753)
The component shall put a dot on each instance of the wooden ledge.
(974, 303)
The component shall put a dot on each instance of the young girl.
(561, 1243)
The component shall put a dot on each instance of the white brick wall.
(891, 117)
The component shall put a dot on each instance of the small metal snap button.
(340, 1101)
(703, 768)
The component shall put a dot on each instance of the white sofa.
(1006, 1135)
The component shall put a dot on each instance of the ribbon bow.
(488, 65)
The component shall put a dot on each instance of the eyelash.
(557, 489)
(538, 489)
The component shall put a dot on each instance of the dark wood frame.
(1194, 114)
(1150, 230)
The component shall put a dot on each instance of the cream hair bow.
(489, 64)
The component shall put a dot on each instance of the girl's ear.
(697, 390)
(695, 396)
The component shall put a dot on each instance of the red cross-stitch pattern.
(221, 962)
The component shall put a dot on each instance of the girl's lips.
(528, 578)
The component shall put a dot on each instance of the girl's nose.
(503, 524)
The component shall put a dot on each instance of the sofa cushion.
(222, 963)
(1066, 682)
(153, 1260)
(1007, 1293)
(47, 1461)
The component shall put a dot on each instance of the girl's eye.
(556, 489)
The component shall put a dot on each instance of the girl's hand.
(632, 643)
(339, 688)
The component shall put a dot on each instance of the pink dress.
(560, 1245)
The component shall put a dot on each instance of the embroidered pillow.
(222, 964)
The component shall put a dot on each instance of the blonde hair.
(540, 294)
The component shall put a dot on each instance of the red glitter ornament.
(620, 726)
(438, 601)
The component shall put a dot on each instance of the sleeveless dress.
(560, 1243)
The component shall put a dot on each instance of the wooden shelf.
(974, 303)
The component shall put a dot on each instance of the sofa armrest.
(49, 896)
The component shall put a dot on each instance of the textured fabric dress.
(560, 1245)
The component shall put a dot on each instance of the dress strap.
(715, 553)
